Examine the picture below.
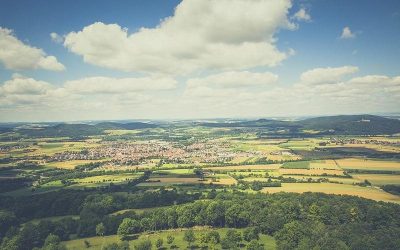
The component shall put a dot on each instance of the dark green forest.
(297, 221)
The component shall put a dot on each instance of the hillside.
(353, 124)
(80, 130)
(343, 124)
(129, 126)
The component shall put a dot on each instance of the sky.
(190, 59)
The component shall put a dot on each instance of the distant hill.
(353, 124)
(63, 130)
(343, 124)
(129, 126)
(80, 130)
(256, 123)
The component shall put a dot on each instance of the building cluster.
(142, 152)
(342, 141)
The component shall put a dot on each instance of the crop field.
(165, 181)
(96, 243)
(324, 164)
(369, 164)
(379, 179)
(246, 167)
(104, 180)
(323, 172)
(46, 148)
(305, 144)
(332, 188)
(70, 164)
(296, 165)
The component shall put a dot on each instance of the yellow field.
(354, 163)
(70, 164)
(382, 148)
(226, 180)
(378, 179)
(332, 188)
(350, 181)
(251, 179)
(288, 171)
(246, 167)
(324, 164)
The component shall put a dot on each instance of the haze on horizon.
(197, 59)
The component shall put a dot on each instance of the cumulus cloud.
(326, 75)
(107, 85)
(347, 33)
(20, 85)
(201, 34)
(22, 90)
(56, 37)
(16, 55)
(302, 15)
(234, 79)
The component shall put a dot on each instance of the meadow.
(96, 243)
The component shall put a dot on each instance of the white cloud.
(24, 86)
(16, 55)
(326, 75)
(302, 15)
(22, 90)
(347, 33)
(107, 85)
(234, 79)
(56, 37)
(200, 35)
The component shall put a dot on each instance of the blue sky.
(193, 84)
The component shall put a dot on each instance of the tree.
(128, 226)
(213, 238)
(250, 233)
(7, 219)
(115, 246)
(254, 245)
(159, 243)
(100, 229)
(189, 237)
(170, 239)
(231, 240)
(290, 235)
(52, 242)
(143, 245)
(52, 239)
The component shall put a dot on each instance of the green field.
(297, 165)
(98, 242)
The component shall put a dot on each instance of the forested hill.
(353, 124)
(80, 130)
(129, 126)
(343, 124)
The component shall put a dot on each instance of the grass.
(98, 242)
(102, 180)
(70, 164)
(53, 219)
(332, 188)
(297, 165)
(138, 210)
